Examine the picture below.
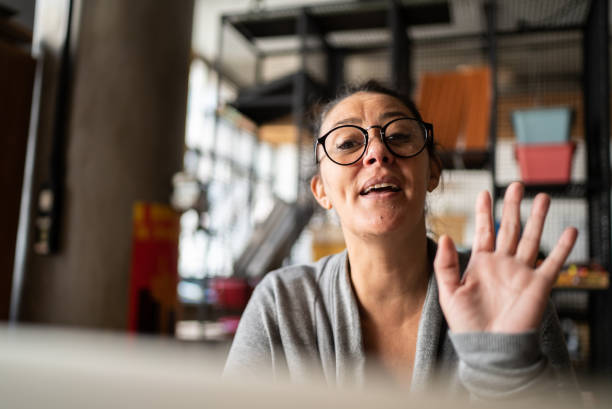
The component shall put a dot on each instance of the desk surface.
(60, 368)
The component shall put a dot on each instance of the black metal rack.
(323, 21)
(315, 28)
(570, 190)
(590, 19)
(597, 128)
(337, 17)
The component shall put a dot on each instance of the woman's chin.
(383, 225)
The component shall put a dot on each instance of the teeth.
(379, 186)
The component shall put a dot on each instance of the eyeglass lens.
(403, 137)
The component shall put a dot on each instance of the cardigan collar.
(348, 338)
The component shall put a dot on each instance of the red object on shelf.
(232, 293)
(545, 164)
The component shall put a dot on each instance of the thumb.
(446, 268)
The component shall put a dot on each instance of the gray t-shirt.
(303, 321)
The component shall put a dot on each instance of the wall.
(124, 142)
(24, 9)
(16, 79)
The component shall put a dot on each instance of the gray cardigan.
(304, 320)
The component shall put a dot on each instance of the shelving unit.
(588, 21)
(322, 42)
(570, 190)
(319, 41)
(321, 31)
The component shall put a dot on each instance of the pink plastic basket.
(543, 164)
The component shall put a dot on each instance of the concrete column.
(124, 141)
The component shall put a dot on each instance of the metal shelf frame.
(596, 86)
(395, 16)
(570, 190)
(597, 130)
(318, 21)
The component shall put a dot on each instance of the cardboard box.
(281, 131)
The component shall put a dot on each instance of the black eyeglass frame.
(429, 138)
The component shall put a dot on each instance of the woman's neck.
(390, 274)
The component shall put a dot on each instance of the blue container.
(542, 125)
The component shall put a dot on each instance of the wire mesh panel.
(562, 213)
(467, 19)
(539, 57)
(541, 67)
(237, 57)
(572, 307)
(521, 14)
(440, 54)
(450, 208)
(276, 66)
(434, 55)
(362, 67)
(542, 71)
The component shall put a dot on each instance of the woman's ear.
(435, 170)
(318, 191)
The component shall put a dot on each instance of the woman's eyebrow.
(348, 121)
(392, 114)
(355, 120)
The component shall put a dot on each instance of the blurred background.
(156, 155)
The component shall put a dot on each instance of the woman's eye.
(400, 138)
(347, 144)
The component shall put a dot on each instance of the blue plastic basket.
(542, 125)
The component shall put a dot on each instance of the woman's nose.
(376, 150)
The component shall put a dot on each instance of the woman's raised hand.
(501, 291)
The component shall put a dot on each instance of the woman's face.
(345, 188)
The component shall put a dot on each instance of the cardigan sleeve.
(255, 350)
(533, 365)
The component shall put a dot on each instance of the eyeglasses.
(404, 137)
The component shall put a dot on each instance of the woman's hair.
(369, 86)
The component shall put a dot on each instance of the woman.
(394, 299)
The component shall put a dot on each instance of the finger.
(484, 237)
(446, 268)
(551, 266)
(507, 237)
(529, 243)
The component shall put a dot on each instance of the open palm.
(501, 291)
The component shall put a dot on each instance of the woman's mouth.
(380, 188)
